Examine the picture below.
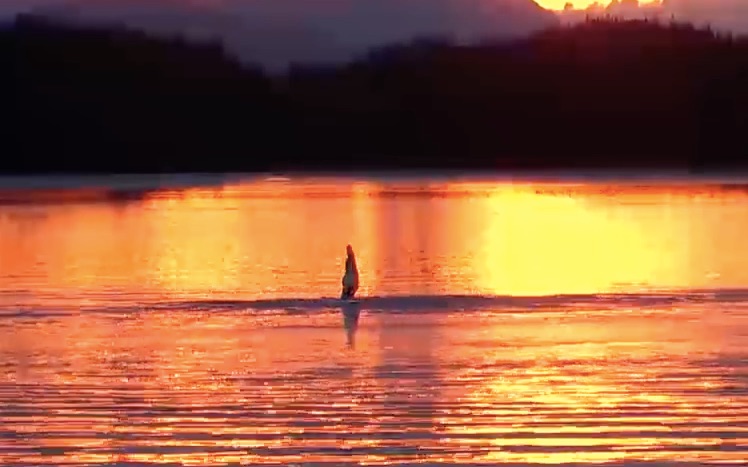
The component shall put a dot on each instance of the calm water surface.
(500, 323)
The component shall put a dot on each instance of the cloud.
(277, 32)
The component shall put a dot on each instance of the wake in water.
(443, 303)
(409, 303)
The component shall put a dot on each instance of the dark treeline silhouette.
(605, 93)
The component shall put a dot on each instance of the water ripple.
(411, 392)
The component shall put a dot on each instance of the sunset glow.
(227, 244)
(578, 4)
(140, 338)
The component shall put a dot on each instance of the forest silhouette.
(605, 93)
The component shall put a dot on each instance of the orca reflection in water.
(350, 323)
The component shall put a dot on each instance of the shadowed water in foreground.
(197, 327)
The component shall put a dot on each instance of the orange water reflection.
(283, 239)
(197, 389)
(551, 385)
(630, 384)
(545, 240)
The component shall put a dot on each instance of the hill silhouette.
(604, 93)
(278, 32)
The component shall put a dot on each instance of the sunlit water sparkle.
(199, 326)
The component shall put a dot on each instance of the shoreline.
(124, 182)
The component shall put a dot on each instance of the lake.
(189, 320)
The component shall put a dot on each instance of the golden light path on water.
(190, 326)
